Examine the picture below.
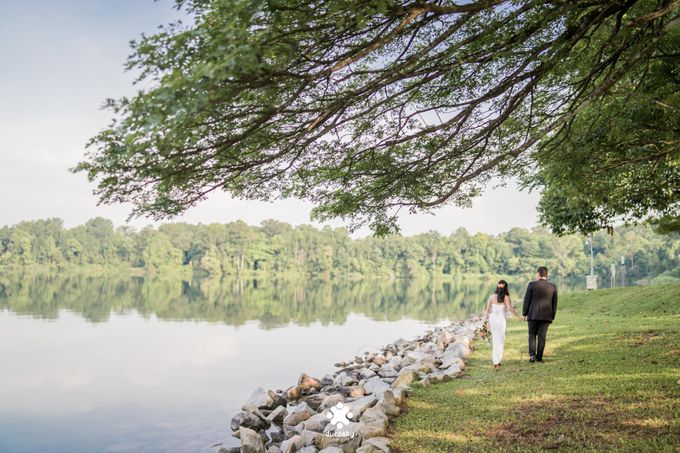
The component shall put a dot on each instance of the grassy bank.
(609, 382)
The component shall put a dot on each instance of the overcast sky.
(59, 60)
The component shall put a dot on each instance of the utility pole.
(591, 280)
(592, 261)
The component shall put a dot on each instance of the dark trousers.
(537, 329)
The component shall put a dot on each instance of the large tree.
(366, 107)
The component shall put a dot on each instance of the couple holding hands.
(539, 308)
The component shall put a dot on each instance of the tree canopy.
(373, 106)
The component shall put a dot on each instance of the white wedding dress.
(497, 324)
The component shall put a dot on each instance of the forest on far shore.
(276, 247)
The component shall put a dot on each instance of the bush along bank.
(349, 410)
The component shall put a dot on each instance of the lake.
(113, 364)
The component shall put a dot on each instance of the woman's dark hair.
(502, 292)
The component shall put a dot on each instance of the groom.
(540, 306)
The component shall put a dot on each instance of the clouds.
(60, 60)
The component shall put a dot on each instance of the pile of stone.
(365, 394)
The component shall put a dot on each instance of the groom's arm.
(527, 301)
(554, 303)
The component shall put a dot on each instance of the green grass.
(609, 382)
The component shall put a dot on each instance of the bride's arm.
(508, 303)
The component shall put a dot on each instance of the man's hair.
(542, 271)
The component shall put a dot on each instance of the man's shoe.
(532, 359)
(539, 360)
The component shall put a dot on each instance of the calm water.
(117, 365)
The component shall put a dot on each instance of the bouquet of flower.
(484, 331)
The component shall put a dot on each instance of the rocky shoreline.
(349, 410)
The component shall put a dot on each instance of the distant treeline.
(278, 248)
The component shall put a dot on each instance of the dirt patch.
(568, 423)
(635, 339)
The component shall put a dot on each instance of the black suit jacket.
(540, 301)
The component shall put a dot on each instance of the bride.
(495, 314)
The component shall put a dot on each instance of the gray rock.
(440, 376)
(316, 422)
(276, 434)
(358, 407)
(331, 449)
(331, 400)
(457, 348)
(400, 394)
(292, 445)
(345, 444)
(327, 380)
(251, 442)
(375, 386)
(308, 449)
(379, 359)
(248, 420)
(277, 415)
(452, 360)
(344, 379)
(388, 404)
(309, 437)
(315, 400)
(380, 444)
(388, 371)
(366, 373)
(454, 370)
(298, 414)
(424, 366)
(413, 357)
(404, 379)
(264, 399)
(372, 426)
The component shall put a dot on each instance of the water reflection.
(273, 303)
